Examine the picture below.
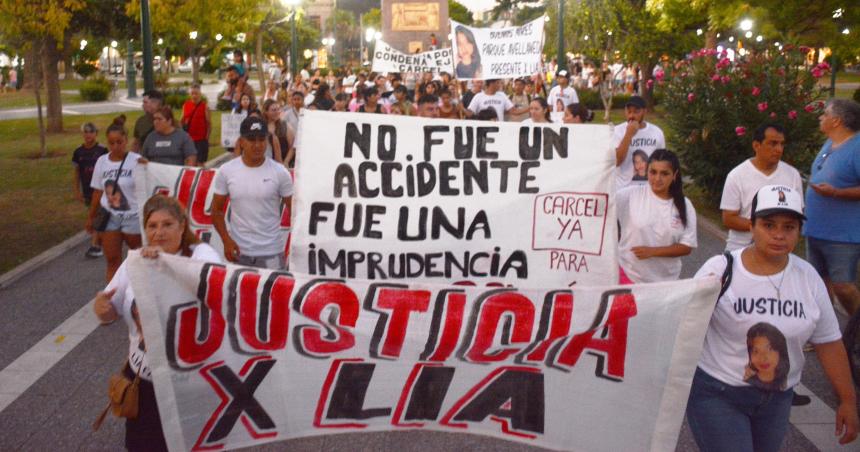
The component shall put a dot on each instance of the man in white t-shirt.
(744, 181)
(634, 142)
(493, 98)
(258, 187)
(561, 95)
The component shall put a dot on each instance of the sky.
(478, 5)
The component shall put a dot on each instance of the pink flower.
(762, 106)
(649, 83)
(772, 115)
(781, 72)
(823, 66)
(724, 54)
(809, 108)
(691, 97)
(725, 62)
(725, 79)
(804, 49)
(756, 91)
(792, 114)
(740, 131)
(817, 73)
(715, 78)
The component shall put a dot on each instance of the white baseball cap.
(772, 199)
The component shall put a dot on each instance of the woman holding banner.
(658, 224)
(771, 304)
(468, 58)
(167, 231)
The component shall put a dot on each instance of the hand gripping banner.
(243, 356)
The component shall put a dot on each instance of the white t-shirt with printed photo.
(256, 194)
(742, 183)
(777, 327)
(647, 220)
(123, 302)
(567, 96)
(633, 170)
(498, 101)
(122, 201)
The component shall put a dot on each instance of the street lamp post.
(294, 46)
(130, 72)
(146, 36)
(561, 58)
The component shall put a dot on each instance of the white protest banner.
(389, 59)
(230, 123)
(396, 197)
(193, 188)
(491, 53)
(243, 356)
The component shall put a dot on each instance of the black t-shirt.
(85, 159)
(467, 98)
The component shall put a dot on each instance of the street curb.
(712, 228)
(8, 278)
(52, 253)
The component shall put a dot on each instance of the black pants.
(202, 147)
(144, 433)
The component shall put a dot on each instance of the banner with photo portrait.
(386, 197)
(389, 59)
(497, 53)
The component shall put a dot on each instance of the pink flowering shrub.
(713, 106)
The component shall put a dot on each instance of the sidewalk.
(120, 104)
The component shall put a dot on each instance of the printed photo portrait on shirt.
(116, 198)
(640, 165)
(768, 364)
(468, 58)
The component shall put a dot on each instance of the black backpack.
(726, 279)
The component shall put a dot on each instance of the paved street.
(54, 411)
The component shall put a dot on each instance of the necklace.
(777, 288)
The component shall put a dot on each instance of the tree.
(177, 19)
(345, 28)
(41, 26)
(372, 18)
(458, 12)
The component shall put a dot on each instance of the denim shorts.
(736, 418)
(127, 223)
(836, 261)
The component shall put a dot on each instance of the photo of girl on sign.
(468, 58)
(115, 196)
(768, 358)
(640, 165)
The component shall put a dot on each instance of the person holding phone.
(636, 134)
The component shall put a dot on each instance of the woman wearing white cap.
(772, 303)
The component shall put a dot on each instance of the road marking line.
(816, 422)
(22, 373)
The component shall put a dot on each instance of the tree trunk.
(31, 72)
(68, 53)
(195, 66)
(646, 68)
(710, 39)
(34, 74)
(258, 50)
(51, 77)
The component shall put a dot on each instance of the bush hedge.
(592, 100)
(95, 89)
(175, 97)
(714, 104)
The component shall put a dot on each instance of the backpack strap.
(726, 279)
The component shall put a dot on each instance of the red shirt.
(197, 123)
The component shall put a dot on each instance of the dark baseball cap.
(635, 101)
(253, 127)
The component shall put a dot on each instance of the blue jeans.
(736, 418)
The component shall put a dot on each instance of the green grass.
(36, 197)
(27, 98)
(848, 77)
